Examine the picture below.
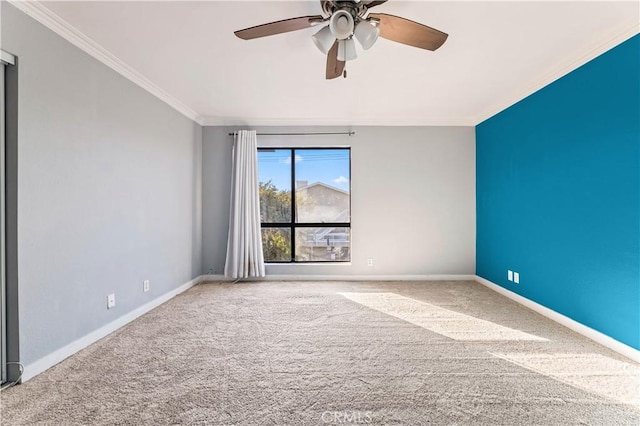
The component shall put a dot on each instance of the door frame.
(6, 59)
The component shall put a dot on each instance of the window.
(312, 222)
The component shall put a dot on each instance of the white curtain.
(244, 247)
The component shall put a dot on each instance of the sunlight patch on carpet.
(443, 321)
(608, 377)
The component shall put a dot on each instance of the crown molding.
(618, 36)
(404, 121)
(42, 14)
(38, 11)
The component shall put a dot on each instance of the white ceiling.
(497, 53)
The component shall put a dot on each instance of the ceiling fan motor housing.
(357, 8)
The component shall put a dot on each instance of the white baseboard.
(44, 363)
(48, 361)
(579, 328)
(308, 277)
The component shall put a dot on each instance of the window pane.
(274, 174)
(322, 244)
(322, 185)
(276, 244)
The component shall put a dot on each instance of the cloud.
(341, 179)
(288, 159)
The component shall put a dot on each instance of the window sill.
(308, 264)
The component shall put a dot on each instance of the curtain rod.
(303, 134)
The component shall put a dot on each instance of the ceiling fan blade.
(334, 66)
(405, 31)
(279, 27)
(374, 3)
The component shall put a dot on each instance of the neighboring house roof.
(324, 185)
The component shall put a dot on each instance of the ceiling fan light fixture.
(367, 34)
(347, 50)
(324, 39)
(341, 24)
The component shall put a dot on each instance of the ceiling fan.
(347, 20)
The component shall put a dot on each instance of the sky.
(329, 166)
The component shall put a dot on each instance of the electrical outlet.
(370, 261)
(111, 301)
(145, 285)
(510, 275)
(516, 277)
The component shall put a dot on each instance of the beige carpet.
(306, 353)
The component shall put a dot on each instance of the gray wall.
(108, 190)
(413, 198)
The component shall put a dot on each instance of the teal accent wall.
(558, 195)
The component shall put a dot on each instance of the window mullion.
(293, 205)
